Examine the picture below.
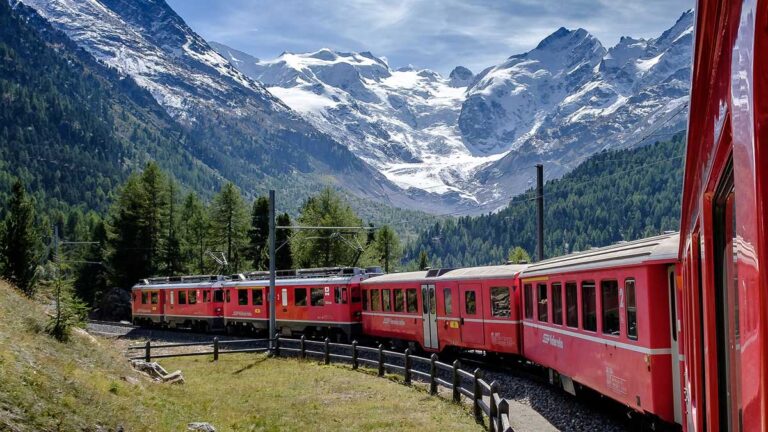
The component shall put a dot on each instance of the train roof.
(653, 249)
(415, 276)
(484, 272)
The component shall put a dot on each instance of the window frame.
(495, 311)
(528, 301)
(557, 302)
(396, 302)
(448, 301)
(386, 300)
(303, 297)
(594, 305)
(314, 300)
(576, 308)
(415, 297)
(182, 297)
(365, 299)
(627, 308)
(376, 300)
(242, 297)
(192, 297)
(604, 318)
(467, 302)
(542, 307)
(154, 297)
(260, 292)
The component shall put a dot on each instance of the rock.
(130, 380)
(201, 427)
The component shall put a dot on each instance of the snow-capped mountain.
(236, 126)
(475, 136)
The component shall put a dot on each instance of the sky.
(433, 34)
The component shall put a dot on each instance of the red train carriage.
(724, 237)
(469, 308)
(185, 301)
(601, 319)
(322, 301)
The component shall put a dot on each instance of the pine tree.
(20, 244)
(258, 233)
(173, 255)
(324, 248)
(518, 255)
(93, 276)
(229, 223)
(283, 257)
(387, 247)
(195, 229)
(131, 257)
(423, 260)
(155, 213)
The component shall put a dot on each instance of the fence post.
(493, 416)
(303, 347)
(327, 351)
(277, 344)
(433, 374)
(381, 360)
(148, 352)
(456, 382)
(477, 395)
(503, 408)
(354, 354)
(216, 348)
(408, 365)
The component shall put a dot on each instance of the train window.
(206, 295)
(182, 297)
(300, 297)
(411, 300)
(609, 290)
(386, 299)
(144, 297)
(170, 297)
(257, 297)
(588, 306)
(375, 300)
(629, 296)
(355, 294)
(500, 302)
(542, 305)
(153, 297)
(218, 295)
(228, 295)
(470, 305)
(399, 301)
(242, 297)
(571, 305)
(557, 303)
(448, 301)
(340, 295)
(317, 297)
(192, 299)
(528, 291)
(365, 300)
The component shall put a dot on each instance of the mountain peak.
(563, 38)
(460, 77)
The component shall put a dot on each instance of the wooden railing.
(495, 409)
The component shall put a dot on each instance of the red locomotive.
(323, 301)
(724, 236)
(440, 309)
(185, 301)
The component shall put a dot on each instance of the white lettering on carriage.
(497, 338)
(548, 339)
(617, 384)
(241, 313)
(394, 322)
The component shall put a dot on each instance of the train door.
(727, 307)
(217, 305)
(674, 325)
(471, 310)
(429, 316)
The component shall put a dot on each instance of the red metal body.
(187, 301)
(470, 308)
(318, 301)
(601, 319)
(724, 241)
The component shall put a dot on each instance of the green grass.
(81, 385)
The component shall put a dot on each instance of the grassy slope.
(49, 386)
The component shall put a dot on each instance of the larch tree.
(195, 227)
(20, 242)
(229, 223)
(387, 247)
(258, 233)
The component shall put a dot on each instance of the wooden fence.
(496, 408)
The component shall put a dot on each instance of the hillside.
(72, 128)
(87, 385)
(612, 196)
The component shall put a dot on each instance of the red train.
(310, 301)
(672, 326)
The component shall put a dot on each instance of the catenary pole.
(540, 212)
(272, 320)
